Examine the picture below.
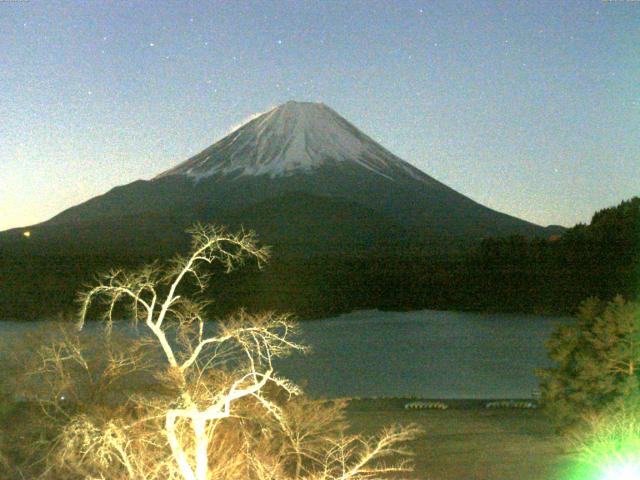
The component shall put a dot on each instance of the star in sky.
(461, 104)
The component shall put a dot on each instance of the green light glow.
(610, 450)
(626, 471)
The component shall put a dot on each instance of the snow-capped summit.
(292, 138)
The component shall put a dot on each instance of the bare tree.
(211, 390)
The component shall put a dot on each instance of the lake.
(428, 354)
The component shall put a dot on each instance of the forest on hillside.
(512, 274)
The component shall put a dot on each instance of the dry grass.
(468, 444)
(474, 443)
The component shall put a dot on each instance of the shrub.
(597, 360)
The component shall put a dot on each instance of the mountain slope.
(303, 147)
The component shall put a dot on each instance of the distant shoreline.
(334, 316)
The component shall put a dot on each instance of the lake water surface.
(428, 354)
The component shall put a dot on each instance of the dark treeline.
(600, 259)
(513, 274)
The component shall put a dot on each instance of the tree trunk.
(202, 443)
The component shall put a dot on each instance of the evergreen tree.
(598, 362)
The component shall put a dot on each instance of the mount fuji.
(314, 187)
(306, 179)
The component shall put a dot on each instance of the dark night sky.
(531, 108)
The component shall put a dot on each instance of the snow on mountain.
(303, 177)
(292, 138)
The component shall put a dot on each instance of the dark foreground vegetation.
(514, 274)
(469, 443)
(174, 400)
(592, 393)
(597, 364)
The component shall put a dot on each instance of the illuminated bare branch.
(222, 411)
